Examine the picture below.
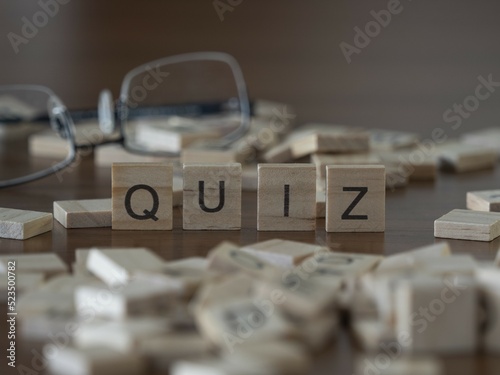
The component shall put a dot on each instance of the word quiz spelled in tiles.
(142, 196)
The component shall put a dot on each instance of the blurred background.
(427, 57)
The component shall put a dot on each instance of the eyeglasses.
(161, 104)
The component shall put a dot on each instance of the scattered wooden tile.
(320, 204)
(281, 153)
(394, 179)
(489, 138)
(24, 282)
(404, 365)
(212, 197)
(22, 224)
(413, 258)
(249, 177)
(381, 139)
(118, 265)
(210, 366)
(485, 200)
(317, 333)
(286, 197)
(162, 351)
(122, 336)
(488, 279)
(344, 265)
(229, 324)
(322, 160)
(228, 258)
(90, 213)
(158, 135)
(271, 357)
(49, 264)
(468, 225)
(355, 198)
(329, 140)
(177, 191)
(137, 298)
(461, 157)
(185, 275)
(369, 334)
(282, 253)
(209, 152)
(107, 155)
(142, 196)
(415, 165)
(300, 296)
(95, 361)
(431, 311)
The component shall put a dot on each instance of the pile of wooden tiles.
(264, 308)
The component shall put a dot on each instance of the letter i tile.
(286, 197)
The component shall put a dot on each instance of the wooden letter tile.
(286, 197)
(113, 265)
(468, 225)
(355, 198)
(90, 213)
(142, 196)
(212, 196)
(22, 224)
(49, 264)
(486, 200)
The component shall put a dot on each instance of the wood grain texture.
(468, 225)
(22, 224)
(144, 184)
(88, 213)
(212, 196)
(355, 198)
(286, 197)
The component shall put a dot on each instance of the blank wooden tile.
(123, 336)
(489, 138)
(431, 314)
(142, 196)
(381, 139)
(461, 157)
(286, 197)
(206, 152)
(282, 253)
(212, 197)
(135, 299)
(485, 200)
(25, 282)
(412, 258)
(334, 140)
(118, 265)
(414, 163)
(322, 160)
(49, 264)
(90, 213)
(106, 155)
(394, 178)
(355, 198)
(22, 224)
(95, 361)
(281, 153)
(468, 225)
(157, 135)
(489, 286)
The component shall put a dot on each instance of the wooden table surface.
(410, 215)
(429, 57)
